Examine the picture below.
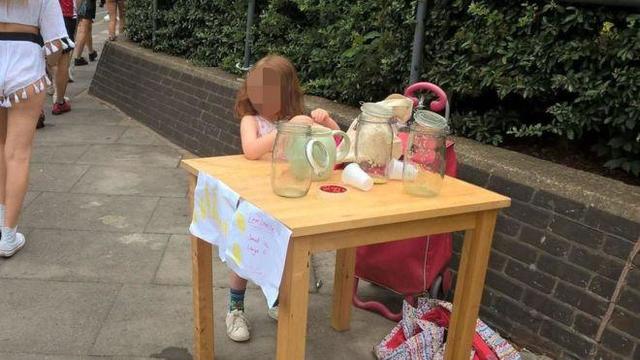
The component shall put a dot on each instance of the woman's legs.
(121, 14)
(89, 40)
(18, 128)
(21, 126)
(61, 77)
(112, 7)
(81, 38)
(3, 167)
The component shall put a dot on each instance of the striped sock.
(236, 299)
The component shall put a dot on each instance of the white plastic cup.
(410, 172)
(353, 175)
(395, 169)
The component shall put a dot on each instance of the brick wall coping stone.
(590, 189)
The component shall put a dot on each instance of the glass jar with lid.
(374, 140)
(424, 158)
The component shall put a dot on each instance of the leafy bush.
(524, 69)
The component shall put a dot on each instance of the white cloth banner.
(213, 206)
(252, 243)
(257, 248)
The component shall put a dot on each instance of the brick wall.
(553, 269)
(558, 251)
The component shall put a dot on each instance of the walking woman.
(86, 15)
(29, 29)
(116, 14)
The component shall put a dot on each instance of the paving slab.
(98, 115)
(89, 212)
(29, 197)
(79, 134)
(172, 216)
(131, 155)
(166, 182)
(59, 153)
(52, 317)
(138, 135)
(54, 177)
(87, 256)
(146, 319)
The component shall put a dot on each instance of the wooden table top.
(310, 215)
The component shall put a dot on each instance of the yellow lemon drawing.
(241, 222)
(236, 251)
(225, 229)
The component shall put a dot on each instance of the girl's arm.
(254, 147)
(322, 117)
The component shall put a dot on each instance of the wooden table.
(382, 215)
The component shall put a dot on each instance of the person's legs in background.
(83, 28)
(121, 16)
(60, 81)
(61, 73)
(93, 54)
(86, 14)
(112, 8)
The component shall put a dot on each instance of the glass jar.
(374, 141)
(424, 158)
(296, 158)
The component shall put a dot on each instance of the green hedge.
(524, 69)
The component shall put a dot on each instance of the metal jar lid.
(377, 110)
(430, 119)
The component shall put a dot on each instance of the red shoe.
(61, 108)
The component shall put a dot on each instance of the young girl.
(270, 93)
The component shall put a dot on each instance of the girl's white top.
(46, 15)
(264, 126)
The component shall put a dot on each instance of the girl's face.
(264, 91)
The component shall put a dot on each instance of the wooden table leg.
(294, 302)
(202, 282)
(470, 283)
(343, 289)
(202, 299)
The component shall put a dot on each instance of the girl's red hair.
(291, 94)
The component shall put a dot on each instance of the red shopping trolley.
(414, 266)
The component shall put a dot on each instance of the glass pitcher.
(374, 141)
(327, 137)
(296, 158)
(424, 158)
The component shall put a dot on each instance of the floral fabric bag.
(421, 332)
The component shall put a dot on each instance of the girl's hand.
(322, 117)
(302, 119)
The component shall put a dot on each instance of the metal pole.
(154, 10)
(251, 8)
(418, 42)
